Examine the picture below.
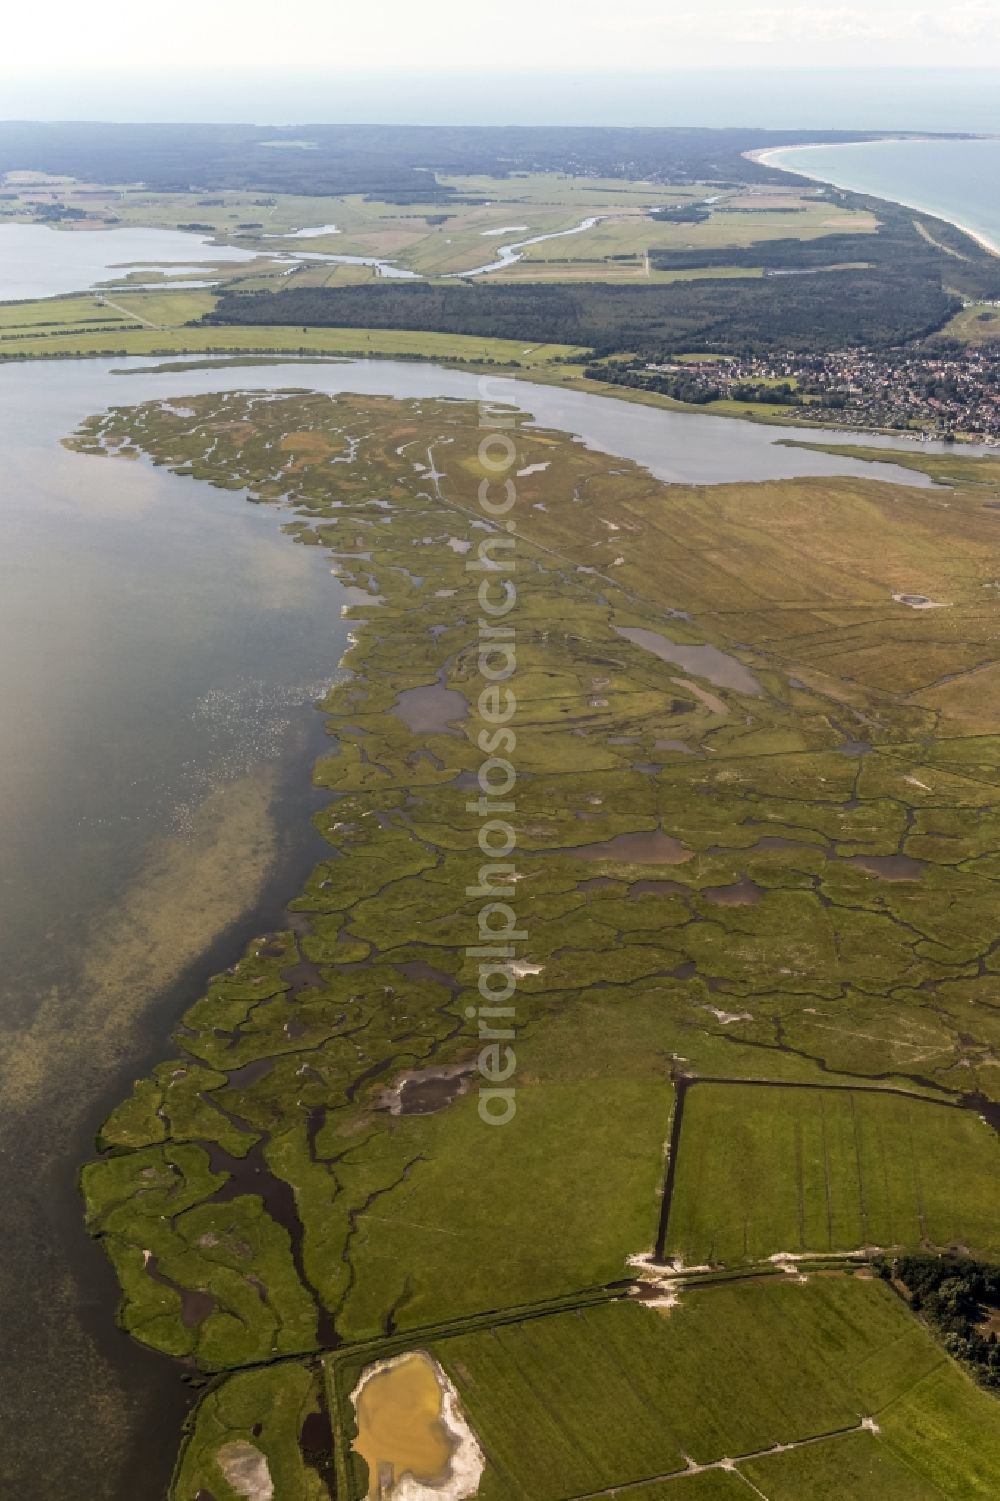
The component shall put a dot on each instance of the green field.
(827, 1390)
(155, 323)
(857, 1465)
(977, 324)
(586, 1403)
(812, 1170)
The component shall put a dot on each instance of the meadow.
(152, 322)
(843, 1170)
(979, 323)
(445, 236)
(800, 1386)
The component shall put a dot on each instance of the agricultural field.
(756, 815)
(157, 322)
(858, 1465)
(844, 1170)
(93, 322)
(979, 323)
(823, 1388)
(444, 238)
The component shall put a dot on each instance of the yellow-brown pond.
(409, 1424)
(400, 1427)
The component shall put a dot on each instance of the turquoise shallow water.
(956, 180)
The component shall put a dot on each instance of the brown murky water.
(426, 1091)
(400, 1425)
(743, 893)
(652, 848)
(889, 867)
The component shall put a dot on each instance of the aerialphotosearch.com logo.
(493, 955)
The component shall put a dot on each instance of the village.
(930, 393)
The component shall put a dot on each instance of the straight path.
(866, 1425)
(127, 313)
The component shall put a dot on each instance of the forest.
(398, 162)
(921, 246)
(879, 307)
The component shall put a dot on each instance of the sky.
(848, 64)
(549, 35)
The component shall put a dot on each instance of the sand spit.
(766, 157)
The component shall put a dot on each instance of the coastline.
(765, 158)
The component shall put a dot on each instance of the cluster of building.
(931, 393)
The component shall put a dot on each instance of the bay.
(955, 180)
(37, 260)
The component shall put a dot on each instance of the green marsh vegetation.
(757, 820)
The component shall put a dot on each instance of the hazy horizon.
(874, 98)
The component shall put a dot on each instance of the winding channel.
(165, 648)
(507, 255)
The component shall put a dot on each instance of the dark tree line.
(956, 1296)
(688, 213)
(898, 248)
(836, 310)
(383, 159)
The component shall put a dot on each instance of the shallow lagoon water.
(718, 667)
(677, 447)
(39, 261)
(164, 645)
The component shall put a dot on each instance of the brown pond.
(401, 1428)
(195, 1305)
(717, 667)
(431, 710)
(427, 1090)
(744, 893)
(888, 867)
(652, 848)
